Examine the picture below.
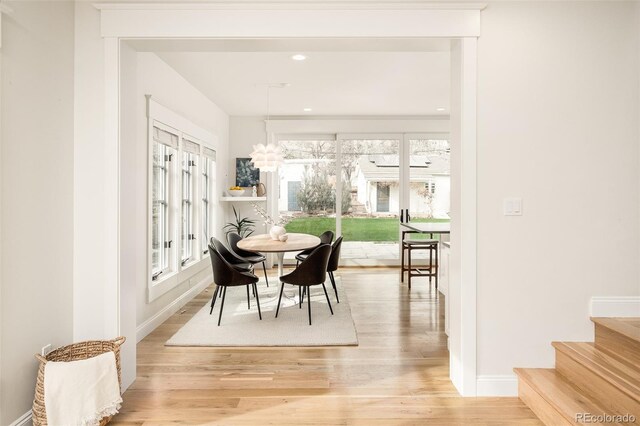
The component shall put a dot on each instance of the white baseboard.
(152, 323)
(497, 385)
(23, 420)
(608, 307)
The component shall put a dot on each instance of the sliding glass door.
(307, 185)
(427, 182)
(371, 191)
(358, 185)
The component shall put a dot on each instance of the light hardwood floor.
(397, 375)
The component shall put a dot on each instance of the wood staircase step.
(619, 336)
(612, 381)
(555, 400)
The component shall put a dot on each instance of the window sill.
(159, 287)
(163, 277)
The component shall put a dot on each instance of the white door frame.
(460, 21)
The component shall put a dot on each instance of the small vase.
(276, 231)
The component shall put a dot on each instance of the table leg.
(280, 264)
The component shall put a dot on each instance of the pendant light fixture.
(267, 157)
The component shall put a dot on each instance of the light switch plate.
(512, 206)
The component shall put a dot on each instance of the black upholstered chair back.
(326, 237)
(224, 251)
(223, 272)
(312, 270)
(233, 239)
(334, 258)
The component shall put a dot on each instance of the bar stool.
(431, 270)
(402, 268)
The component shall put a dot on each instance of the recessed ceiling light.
(298, 57)
(306, 109)
(440, 109)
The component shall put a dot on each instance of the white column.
(462, 291)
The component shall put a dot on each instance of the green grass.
(353, 229)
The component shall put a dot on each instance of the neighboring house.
(378, 191)
(290, 180)
(375, 185)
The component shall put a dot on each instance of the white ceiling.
(352, 79)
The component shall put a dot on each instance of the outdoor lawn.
(353, 228)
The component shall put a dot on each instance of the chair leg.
(402, 259)
(264, 268)
(255, 288)
(279, 300)
(224, 294)
(309, 305)
(213, 299)
(430, 265)
(409, 270)
(327, 296)
(248, 303)
(335, 287)
(300, 296)
(437, 269)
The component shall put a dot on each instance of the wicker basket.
(74, 352)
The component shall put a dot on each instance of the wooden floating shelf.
(237, 199)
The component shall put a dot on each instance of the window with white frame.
(181, 201)
(208, 178)
(164, 147)
(190, 160)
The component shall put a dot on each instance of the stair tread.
(560, 393)
(628, 327)
(622, 375)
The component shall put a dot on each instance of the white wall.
(132, 252)
(244, 132)
(89, 192)
(156, 78)
(557, 125)
(37, 193)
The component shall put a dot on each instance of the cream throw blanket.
(81, 392)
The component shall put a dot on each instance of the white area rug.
(242, 327)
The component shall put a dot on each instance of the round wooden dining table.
(265, 244)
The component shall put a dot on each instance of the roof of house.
(384, 167)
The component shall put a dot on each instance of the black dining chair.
(334, 261)
(332, 266)
(235, 261)
(238, 263)
(225, 275)
(325, 238)
(311, 271)
(248, 256)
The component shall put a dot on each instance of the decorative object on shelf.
(262, 190)
(277, 227)
(268, 157)
(242, 226)
(247, 174)
(235, 191)
(254, 191)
